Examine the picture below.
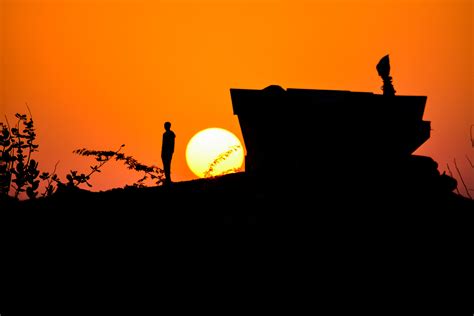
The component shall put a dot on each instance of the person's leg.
(167, 169)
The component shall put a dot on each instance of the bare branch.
(103, 156)
(472, 135)
(470, 162)
(50, 179)
(85, 152)
(29, 111)
(8, 123)
(462, 180)
(451, 175)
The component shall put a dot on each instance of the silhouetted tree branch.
(103, 156)
(53, 177)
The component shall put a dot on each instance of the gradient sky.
(101, 73)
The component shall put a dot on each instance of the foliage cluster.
(19, 172)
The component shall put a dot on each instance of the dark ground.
(230, 244)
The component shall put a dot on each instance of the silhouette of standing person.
(167, 149)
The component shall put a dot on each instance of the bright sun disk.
(214, 151)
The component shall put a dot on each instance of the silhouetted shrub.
(19, 172)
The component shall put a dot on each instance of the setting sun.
(100, 73)
(213, 152)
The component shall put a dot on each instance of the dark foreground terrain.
(235, 243)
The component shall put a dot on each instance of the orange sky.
(100, 73)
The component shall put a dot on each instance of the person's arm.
(172, 143)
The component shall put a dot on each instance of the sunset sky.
(101, 73)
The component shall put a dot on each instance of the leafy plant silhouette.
(19, 172)
(152, 173)
(219, 159)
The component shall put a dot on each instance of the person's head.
(167, 126)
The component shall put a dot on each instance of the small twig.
(462, 180)
(451, 175)
(8, 123)
(470, 162)
(9, 165)
(31, 142)
(472, 135)
(97, 167)
(29, 111)
(9, 128)
(19, 153)
(50, 180)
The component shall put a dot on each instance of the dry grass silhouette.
(467, 190)
(210, 172)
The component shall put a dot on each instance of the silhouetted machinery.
(307, 131)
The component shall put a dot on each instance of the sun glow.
(213, 152)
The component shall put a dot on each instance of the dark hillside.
(123, 244)
(410, 196)
(355, 223)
